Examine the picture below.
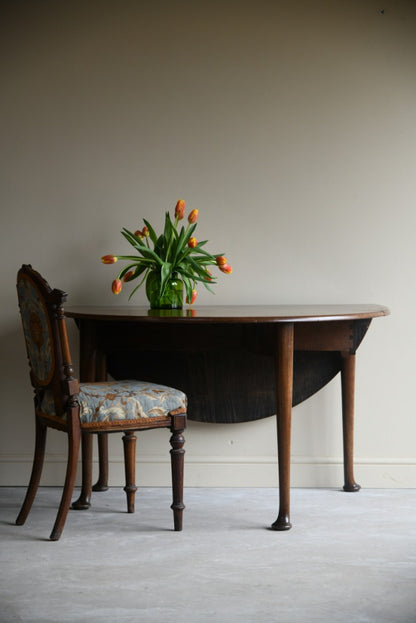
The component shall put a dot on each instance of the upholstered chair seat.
(127, 400)
(119, 401)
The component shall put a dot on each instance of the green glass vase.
(172, 297)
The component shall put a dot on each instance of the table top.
(229, 313)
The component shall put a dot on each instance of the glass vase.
(172, 297)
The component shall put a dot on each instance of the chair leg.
(177, 454)
(74, 439)
(38, 458)
(129, 444)
(84, 500)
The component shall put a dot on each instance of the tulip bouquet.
(176, 253)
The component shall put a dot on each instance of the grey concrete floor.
(350, 557)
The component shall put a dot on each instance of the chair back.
(44, 328)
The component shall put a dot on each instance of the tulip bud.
(128, 276)
(192, 242)
(208, 275)
(145, 232)
(139, 234)
(226, 268)
(116, 286)
(194, 295)
(109, 259)
(180, 210)
(193, 216)
(221, 260)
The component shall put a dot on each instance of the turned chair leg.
(84, 500)
(129, 444)
(38, 458)
(177, 454)
(74, 440)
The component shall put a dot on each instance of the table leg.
(102, 482)
(92, 368)
(87, 374)
(284, 392)
(348, 390)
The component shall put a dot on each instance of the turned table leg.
(284, 391)
(348, 389)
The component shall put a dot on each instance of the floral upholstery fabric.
(127, 400)
(116, 401)
(37, 331)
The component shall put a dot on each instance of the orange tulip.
(116, 286)
(192, 242)
(226, 268)
(193, 216)
(180, 210)
(221, 260)
(139, 234)
(128, 275)
(109, 259)
(194, 295)
(145, 232)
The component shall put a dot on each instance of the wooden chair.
(81, 409)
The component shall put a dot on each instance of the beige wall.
(291, 126)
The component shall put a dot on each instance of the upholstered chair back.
(39, 305)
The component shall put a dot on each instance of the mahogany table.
(235, 363)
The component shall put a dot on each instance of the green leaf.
(199, 255)
(141, 248)
(160, 247)
(188, 287)
(165, 274)
(149, 254)
(171, 236)
(179, 245)
(190, 231)
(168, 231)
(208, 287)
(138, 286)
(168, 225)
(126, 270)
(195, 277)
(152, 233)
(204, 261)
(132, 238)
(196, 267)
(208, 254)
(192, 279)
(139, 271)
